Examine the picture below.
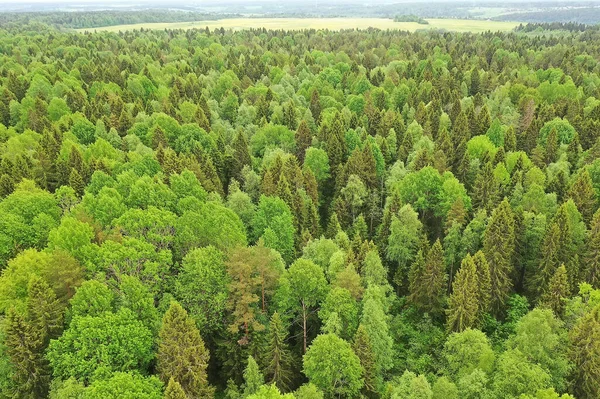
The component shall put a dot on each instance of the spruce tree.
(592, 270)
(364, 350)
(279, 369)
(552, 145)
(76, 182)
(584, 339)
(241, 155)
(484, 284)
(428, 281)
(253, 378)
(486, 192)
(303, 140)
(549, 259)
(583, 194)
(557, 292)
(182, 354)
(498, 248)
(315, 106)
(463, 307)
(174, 390)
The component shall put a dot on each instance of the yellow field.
(459, 25)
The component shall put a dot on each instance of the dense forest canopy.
(270, 214)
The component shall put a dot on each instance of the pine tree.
(557, 292)
(202, 120)
(174, 390)
(583, 194)
(279, 369)
(463, 307)
(584, 339)
(592, 270)
(364, 350)
(510, 140)
(498, 247)
(574, 151)
(182, 354)
(428, 281)
(253, 378)
(44, 311)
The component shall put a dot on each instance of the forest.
(269, 214)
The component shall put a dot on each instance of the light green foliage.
(466, 351)
(333, 367)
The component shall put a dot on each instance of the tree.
(202, 286)
(443, 388)
(583, 194)
(280, 367)
(363, 349)
(182, 354)
(110, 341)
(584, 353)
(405, 231)
(515, 375)
(174, 390)
(241, 155)
(592, 269)
(375, 321)
(412, 386)
(541, 338)
(498, 247)
(428, 281)
(557, 293)
(125, 385)
(463, 304)
(302, 287)
(467, 351)
(303, 140)
(253, 378)
(333, 367)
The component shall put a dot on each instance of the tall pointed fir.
(584, 340)
(182, 354)
(364, 350)
(253, 378)
(486, 192)
(592, 270)
(241, 155)
(26, 337)
(174, 390)
(484, 284)
(583, 194)
(279, 369)
(303, 140)
(557, 292)
(428, 281)
(498, 247)
(549, 259)
(463, 306)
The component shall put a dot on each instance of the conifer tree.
(486, 192)
(475, 82)
(253, 378)
(551, 146)
(549, 258)
(583, 194)
(428, 281)
(557, 292)
(241, 155)
(303, 140)
(363, 349)
(315, 106)
(498, 248)
(463, 307)
(484, 284)
(584, 339)
(174, 390)
(182, 354)
(279, 368)
(592, 270)
(76, 182)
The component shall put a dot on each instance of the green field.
(460, 25)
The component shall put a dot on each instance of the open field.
(461, 25)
